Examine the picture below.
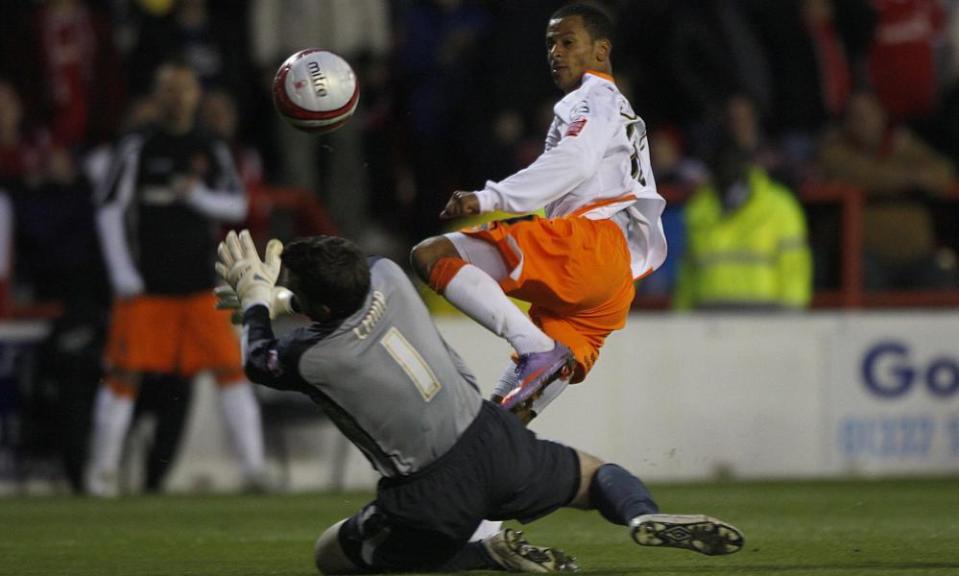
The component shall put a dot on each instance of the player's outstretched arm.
(574, 159)
(261, 357)
(461, 204)
(253, 285)
(266, 360)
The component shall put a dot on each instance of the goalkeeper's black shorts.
(498, 470)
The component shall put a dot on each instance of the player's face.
(571, 51)
(177, 94)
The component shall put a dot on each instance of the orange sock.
(443, 272)
(121, 387)
(230, 377)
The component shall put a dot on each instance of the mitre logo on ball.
(315, 90)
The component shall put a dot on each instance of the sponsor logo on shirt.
(576, 127)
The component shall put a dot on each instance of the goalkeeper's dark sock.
(472, 556)
(619, 496)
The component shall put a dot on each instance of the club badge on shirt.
(577, 118)
(576, 127)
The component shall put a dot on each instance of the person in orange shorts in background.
(159, 205)
(577, 265)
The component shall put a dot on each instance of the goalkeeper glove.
(240, 266)
(281, 302)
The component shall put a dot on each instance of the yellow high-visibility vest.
(754, 255)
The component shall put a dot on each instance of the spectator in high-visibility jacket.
(746, 245)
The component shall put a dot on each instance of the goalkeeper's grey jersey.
(384, 375)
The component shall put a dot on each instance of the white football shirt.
(596, 165)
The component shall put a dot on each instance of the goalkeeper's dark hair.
(332, 271)
(597, 22)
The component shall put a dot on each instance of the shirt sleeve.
(113, 196)
(560, 169)
(225, 201)
(267, 361)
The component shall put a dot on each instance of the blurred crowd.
(455, 92)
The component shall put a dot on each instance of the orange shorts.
(172, 335)
(574, 271)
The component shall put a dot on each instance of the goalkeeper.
(376, 364)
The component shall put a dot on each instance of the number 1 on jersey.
(412, 363)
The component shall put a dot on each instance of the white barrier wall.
(695, 397)
(688, 397)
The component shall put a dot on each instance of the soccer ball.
(315, 91)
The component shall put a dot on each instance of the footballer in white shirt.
(577, 265)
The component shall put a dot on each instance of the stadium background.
(815, 431)
(866, 384)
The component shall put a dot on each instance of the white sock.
(241, 412)
(507, 381)
(111, 420)
(486, 529)
(551, 393)
(480, 297)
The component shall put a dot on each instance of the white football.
(315, 90)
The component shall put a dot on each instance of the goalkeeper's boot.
(536, 370)
(688, 531)
(511, 551)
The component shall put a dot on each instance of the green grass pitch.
(902, 528)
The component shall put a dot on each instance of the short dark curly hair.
(596, 21)
(331, 271)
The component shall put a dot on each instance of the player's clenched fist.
(461, 204)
